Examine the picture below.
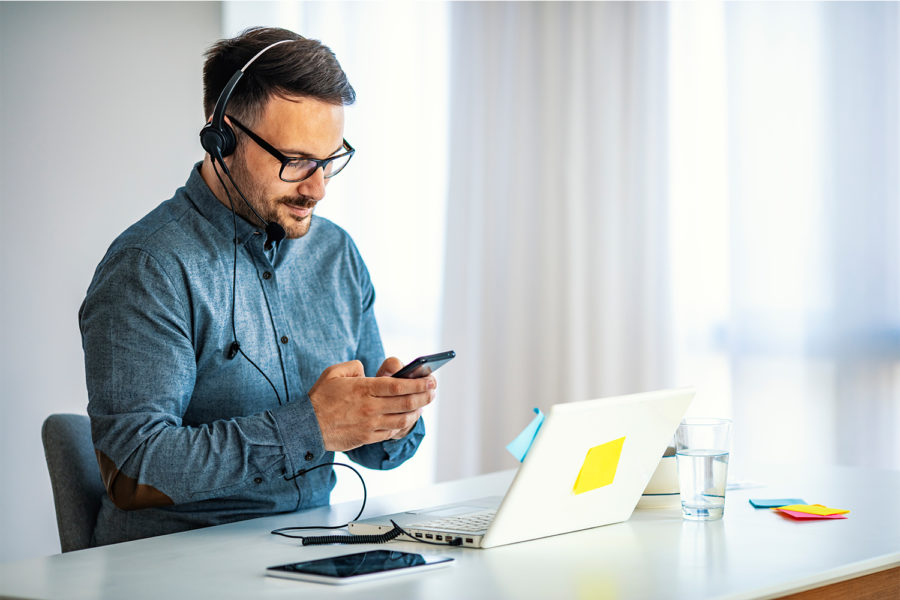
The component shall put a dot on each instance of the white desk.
(749, 554)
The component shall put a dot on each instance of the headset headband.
(216, 137)
(219, 112)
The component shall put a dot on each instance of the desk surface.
(751, 553)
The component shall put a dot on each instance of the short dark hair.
(306, 68)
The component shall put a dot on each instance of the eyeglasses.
(294, 169)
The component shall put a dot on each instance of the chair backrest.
(74, 477)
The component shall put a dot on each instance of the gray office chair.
(74, 477)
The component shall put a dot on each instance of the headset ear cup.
(211, 139)
(218, 141)
(229, 142)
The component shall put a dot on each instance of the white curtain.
(555, 283)
(814, 334)
(646, 195)
(785, 218)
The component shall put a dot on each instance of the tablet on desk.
(361, 566)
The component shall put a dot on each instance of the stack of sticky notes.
(811, 511)
(798, 509)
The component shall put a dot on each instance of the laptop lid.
(588, 465)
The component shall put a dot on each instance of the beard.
(266, 206)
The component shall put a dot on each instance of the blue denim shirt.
(185, 436)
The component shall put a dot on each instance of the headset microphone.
(274, 233)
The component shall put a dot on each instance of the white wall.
(100, 107)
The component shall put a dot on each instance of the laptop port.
(470, 540)
(418, 535)
(428, 536)
(439, 537)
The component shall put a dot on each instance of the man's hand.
(354, 410)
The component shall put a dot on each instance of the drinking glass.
(701, 448)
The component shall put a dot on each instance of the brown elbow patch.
(125, 492)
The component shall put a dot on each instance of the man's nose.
(314, 186)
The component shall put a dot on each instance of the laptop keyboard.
(472, 522)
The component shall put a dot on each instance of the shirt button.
(257, 480)
(267, 275)
(309, 456)
(284, 339)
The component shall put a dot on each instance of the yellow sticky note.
(813, 509)
(599, 467)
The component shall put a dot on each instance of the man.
(221, 362)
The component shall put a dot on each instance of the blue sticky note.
(774, 502)
(519, 447)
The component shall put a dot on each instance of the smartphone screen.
(358, 567)
(425, 365)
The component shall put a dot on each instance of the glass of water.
(701, 448)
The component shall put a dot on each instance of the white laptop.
(587, 467)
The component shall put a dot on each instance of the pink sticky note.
(805, 516)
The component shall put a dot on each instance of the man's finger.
(399, 423)
(390, 366)
(353, 368)
(398, 405)
(391, 386)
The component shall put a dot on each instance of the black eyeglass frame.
(321, 163)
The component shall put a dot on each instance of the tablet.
(361, 566)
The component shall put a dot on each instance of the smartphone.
(425, 365)
(362, 566)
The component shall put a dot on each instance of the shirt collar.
(219, 214)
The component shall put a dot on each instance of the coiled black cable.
(381, 538)
(280, 531)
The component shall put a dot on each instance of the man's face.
(302, 127)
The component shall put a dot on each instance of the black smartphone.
(425, 365)
(362, 566)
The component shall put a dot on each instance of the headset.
(218, 140)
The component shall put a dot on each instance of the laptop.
(587, 466)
